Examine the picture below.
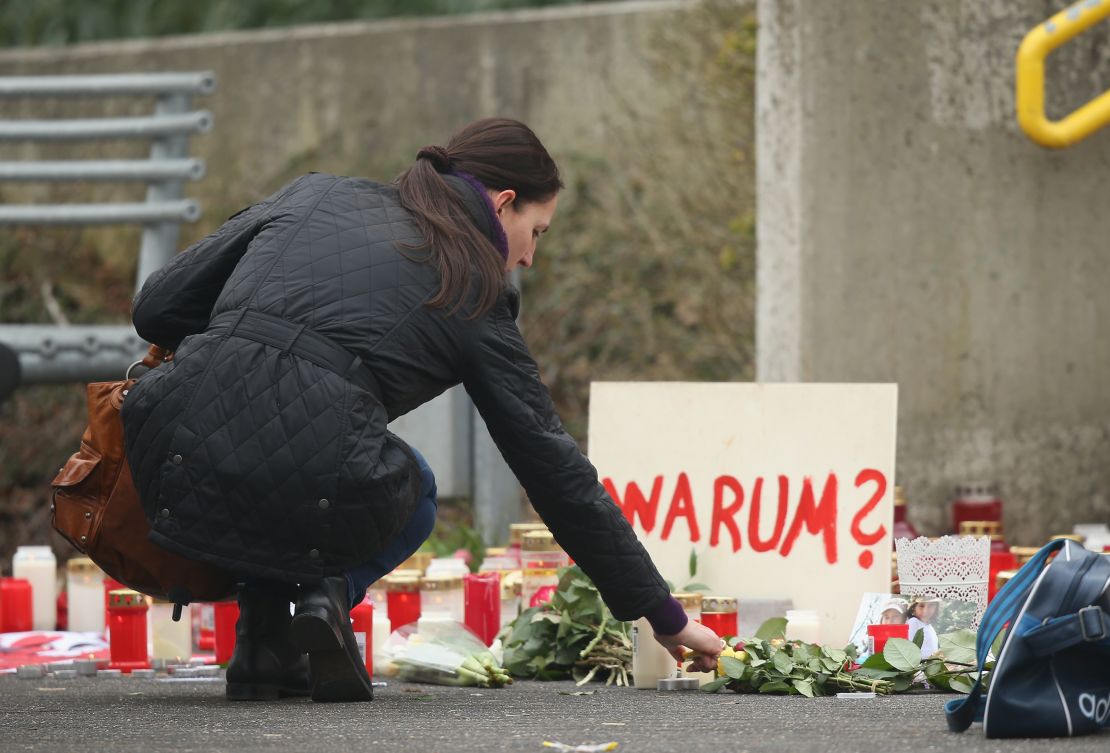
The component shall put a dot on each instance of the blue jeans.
(401, 547)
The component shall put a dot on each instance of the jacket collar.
(480, 209)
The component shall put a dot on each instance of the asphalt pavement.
(190, 714)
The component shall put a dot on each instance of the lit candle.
(85, 586)
(226, 614)
(402, 600)
(803, 625)
(483, 604)
(442, 596)
(127, 619)
(37, 565)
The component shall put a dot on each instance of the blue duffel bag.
(1052, 676)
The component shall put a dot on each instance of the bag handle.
(1003, 610)
(156, 356)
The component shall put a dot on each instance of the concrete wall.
(909, 232)
(361, 98)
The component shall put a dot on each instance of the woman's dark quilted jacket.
(248, 456)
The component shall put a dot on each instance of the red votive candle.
(880, 634)
(127, 620)
(362, 622)
(402, 600)
(227, 614)
(206, 627)
(15, 605)
(483, 604)
(720, 614)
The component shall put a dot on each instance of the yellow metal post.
(1036, 46)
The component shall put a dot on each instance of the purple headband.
(500, 241)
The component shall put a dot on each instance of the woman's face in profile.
(523, 224)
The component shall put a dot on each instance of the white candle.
(85, 595)
(650, 661)
(803, 625)
(170, 640)
(37, 565)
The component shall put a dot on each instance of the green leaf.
(876, 674)
(772, 628)
(733, 667)
(801, 654)
(961, 684)
(831, 665)
(959, 646)
(836, 654)
(697, 588)
(805, 687)
(715, 685)
(782, 662)
(919, 638)
(876, 661)
(693, 562)
(902, 683)
(776, 686)
(758, 662)
(903, 655)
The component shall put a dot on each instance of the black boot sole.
(336, 677)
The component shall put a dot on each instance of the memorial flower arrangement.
(768, 663)
(573, 634)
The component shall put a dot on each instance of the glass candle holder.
(976, 501)
(37, 565)
(441, 596)
(225, 615)
(206, 627)
(720, 614)
(803, 625)
(418, 561)
(169, 640)
(482, 594)
(446, 566)
(511, 587)
(402, 595)
(362, 622)
(541, 559)
(16, 605)
(127, 611)
(516, 538)
(85, 602)
(880, 634)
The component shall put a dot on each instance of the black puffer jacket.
(251, 450)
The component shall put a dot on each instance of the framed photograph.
(923, 613)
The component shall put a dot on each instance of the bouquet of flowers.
(443, 653)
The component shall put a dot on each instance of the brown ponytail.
(500, 154)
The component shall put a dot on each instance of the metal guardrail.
(447, 430)
(61, 353)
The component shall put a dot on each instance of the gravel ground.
(131, 714)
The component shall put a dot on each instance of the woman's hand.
(699, 639)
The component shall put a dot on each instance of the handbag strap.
(156, 356)
(1003, 610)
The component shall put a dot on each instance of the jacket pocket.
(76, 500)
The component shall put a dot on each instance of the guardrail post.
(160, 239)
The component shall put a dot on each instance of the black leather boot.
(322, 629)
(266, 664)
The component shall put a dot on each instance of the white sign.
(782, 490)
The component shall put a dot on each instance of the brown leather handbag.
(97, 509)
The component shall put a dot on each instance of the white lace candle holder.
(953, 568)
